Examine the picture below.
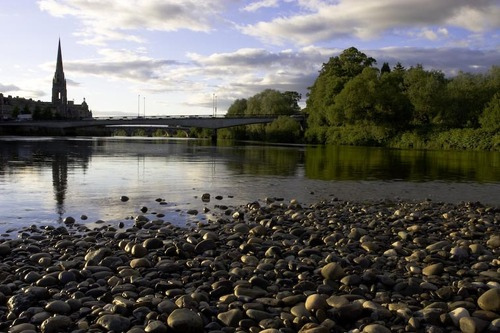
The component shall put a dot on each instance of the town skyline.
(172, 58)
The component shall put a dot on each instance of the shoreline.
(270, 266)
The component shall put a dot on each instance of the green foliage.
(490, 118)
(26, 109)
(425, 90)
(267, 102)
(15, 112)
(272, 102)
(284, 129)
(332, 78)
(159, 133)
(385, 68)
(353, 103)
(119, 132)
(239, 107)
(359, 135)
(39, 114)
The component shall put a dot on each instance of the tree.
(425, 90)
(37, 113)
(399, 68)
(385, 68)
(26, 109)
(331, 80)
(284, 129)
(357, 101)
(490, 118)
(239, 107)
(373, 98)
(466, 98)
(15, 112)
(293, 99)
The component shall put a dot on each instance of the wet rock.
(230, 318)
(58, 307)
(376, 328)
(56, 324)
(332, 271)
(473, 325)
(4, 249)
(457, 314)
(185, 321)
(316, 302)
(434, 269)
(490, 300)
(24, 327)
(155, 326)
(114, 322)
(20, 302)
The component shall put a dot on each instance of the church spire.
(59, 66)
(59, 95)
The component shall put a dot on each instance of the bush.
(359, 135)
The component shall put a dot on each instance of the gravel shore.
(269, 266)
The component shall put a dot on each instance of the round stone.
(114, 322)
(56, 324)
(473, 325)
(155, 326)
(315, 302)
(185, 321)
(332, 271)
(490, 300)
(230, 318)
(139, 251)
(434, 269)
(376, 328)
(457, 314)
(140, 262)
(57, 306)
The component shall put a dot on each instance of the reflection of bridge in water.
(209, 122)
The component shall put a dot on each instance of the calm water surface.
(44, 180)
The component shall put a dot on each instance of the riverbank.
(268, 266)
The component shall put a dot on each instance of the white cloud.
(106, 20)
(5, 88)
(254, 6)
(365, 20)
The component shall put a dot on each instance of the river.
(44, 180)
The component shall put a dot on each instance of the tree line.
(353, 102)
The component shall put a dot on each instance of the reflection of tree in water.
(60, 182)
(265, 161)
(366, 163)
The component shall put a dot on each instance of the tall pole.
(216, 105)
(138, 105)
(213, 105)
(144, 107)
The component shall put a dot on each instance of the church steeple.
(59, 94)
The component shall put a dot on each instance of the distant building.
(59, 107)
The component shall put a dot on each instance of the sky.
(184, 57)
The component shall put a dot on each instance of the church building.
(62, 107)
(58, 108)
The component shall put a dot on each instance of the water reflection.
(18, 157)
(33, 169)
(364, 163)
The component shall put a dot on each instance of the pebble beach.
(268, 266)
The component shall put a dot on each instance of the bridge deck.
(191, 121)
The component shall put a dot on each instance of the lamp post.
(144, 107)
(214, 105)
(138, 105)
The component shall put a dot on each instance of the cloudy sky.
(171, 57)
